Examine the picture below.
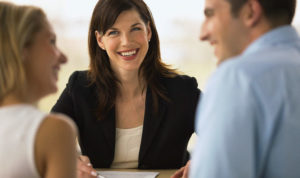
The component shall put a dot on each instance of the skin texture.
(59, 160)
(227, 40)
(42, 60)
(183, 172)
(129, 33)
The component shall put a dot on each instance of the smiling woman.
(42, 70)
(34, 143)
(126, 42)
(130, 107)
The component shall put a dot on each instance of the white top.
(127, 148)
(18, 127)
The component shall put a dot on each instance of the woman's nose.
(62, 58)
(126, 39)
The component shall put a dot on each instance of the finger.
(82, 163)
(84, 159)
(87, 173)
(186, 170)
(81, 174)
(86, 168)
(178, 173)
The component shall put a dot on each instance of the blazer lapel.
(108, 127)
(151, 123)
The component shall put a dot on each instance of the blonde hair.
(19, 25)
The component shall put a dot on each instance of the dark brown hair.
(100, 73)
(279, 12)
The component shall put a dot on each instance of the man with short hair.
(248, 120)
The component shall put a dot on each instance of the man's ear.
(253, 13)
(99, 36)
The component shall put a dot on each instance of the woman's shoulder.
(79, 76)
(181, 88)
(180, 81)
(79, 80)
(63, 126)
(181, 85)
(60, 123)
(55, 140)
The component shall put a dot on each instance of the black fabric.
(165, 136)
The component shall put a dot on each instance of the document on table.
(123, 174)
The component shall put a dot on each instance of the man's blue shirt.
(248, 119)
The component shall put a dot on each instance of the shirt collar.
(277, 36)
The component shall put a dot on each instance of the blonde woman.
(32, 144)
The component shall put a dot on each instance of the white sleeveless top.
(18, 127)
(127, 148)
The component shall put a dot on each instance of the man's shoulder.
(259, 66)
(262, 61)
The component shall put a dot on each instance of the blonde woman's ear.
(99, 36)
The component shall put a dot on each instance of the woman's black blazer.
(165, 135)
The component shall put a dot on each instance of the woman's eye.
(112, 33)
(136, 29)
(53, 41)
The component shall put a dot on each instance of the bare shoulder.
(56, 129)
(55, 148)
(60, 122)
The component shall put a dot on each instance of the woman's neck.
(131, 86)
(12, 99)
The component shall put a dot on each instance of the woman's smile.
(129, 54)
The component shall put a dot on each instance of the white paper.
(123, 174)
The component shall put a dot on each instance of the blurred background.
(178, 23)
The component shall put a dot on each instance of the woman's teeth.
(128, 53)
